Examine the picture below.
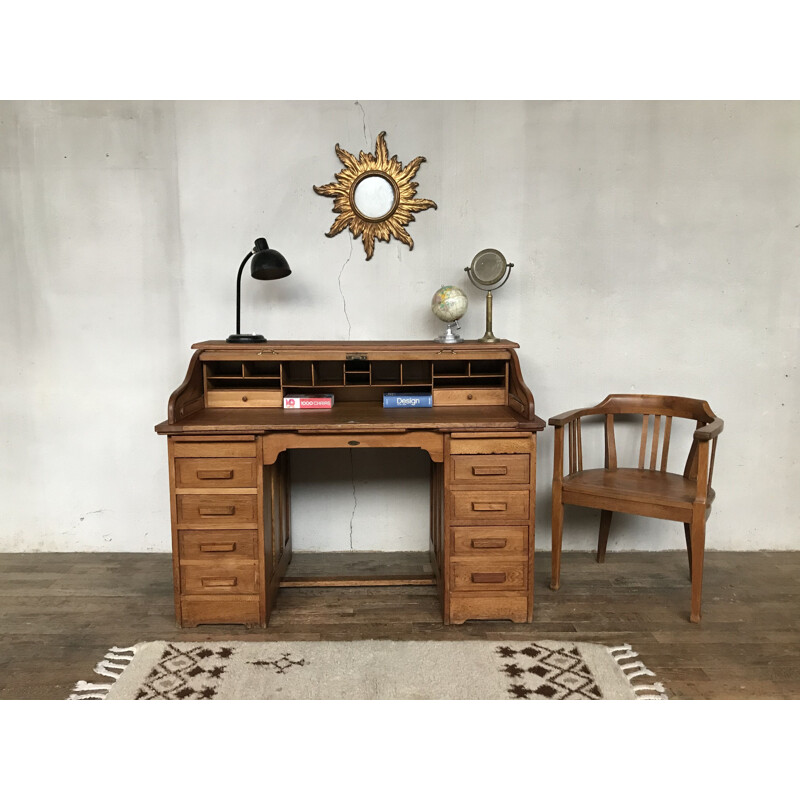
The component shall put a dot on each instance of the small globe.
(449, 303)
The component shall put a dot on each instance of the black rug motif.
(557, 673)
(193, 673)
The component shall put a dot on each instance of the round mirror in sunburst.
(374, 196)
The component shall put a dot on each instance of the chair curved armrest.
(709, 431)
(568, 416)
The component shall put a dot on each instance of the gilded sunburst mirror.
(374, 196)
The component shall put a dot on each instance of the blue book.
(407, 400)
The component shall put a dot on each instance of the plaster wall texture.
(656, 249)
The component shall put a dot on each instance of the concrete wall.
(656, 247)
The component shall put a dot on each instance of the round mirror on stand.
(488, 271)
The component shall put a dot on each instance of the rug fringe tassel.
(109, 667)
(636, 669)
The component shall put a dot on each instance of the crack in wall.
(344, 299)
(363, 122)
(81, 519)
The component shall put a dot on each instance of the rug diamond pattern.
(557, 674)
(187, 674)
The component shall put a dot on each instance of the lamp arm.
(239, 292)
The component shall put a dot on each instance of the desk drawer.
(489, 575)
(244, 398)
(469, 397)
(221, 449)
(230, 578)
(215, 473)
(478, 444)
(217, 510)
(499, 541)
(488, 506)
(216, 546)
(505, 605)
(219, 609)
(482, 470)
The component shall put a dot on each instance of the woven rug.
(372, 670)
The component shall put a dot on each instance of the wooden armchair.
(647, 490)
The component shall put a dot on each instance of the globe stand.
(450, 336)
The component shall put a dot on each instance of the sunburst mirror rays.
(374, 196)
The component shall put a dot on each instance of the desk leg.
(277, 528)
(437, 543)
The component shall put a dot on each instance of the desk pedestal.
(231, 520)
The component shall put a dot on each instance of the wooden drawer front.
(511, 444)
(499, 541)
(230, 578)
(481, 470)
(216, 546)
(232, 609)
(490, 506)
(216, 510)
(244, 398)
(469, 397)
(214, 449)
(469, 605)
(489, 575)
(215, 473)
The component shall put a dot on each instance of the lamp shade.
(267, 264)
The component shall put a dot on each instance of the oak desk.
(228, 436)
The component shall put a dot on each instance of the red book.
(308, 401)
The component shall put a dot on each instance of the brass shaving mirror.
(488, 272)
(374, 196)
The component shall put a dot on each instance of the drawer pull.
(490, 506)
(217, 511)
(214, 474)
(488, 577)
(222, 547)
(490, 470)
(488, 544)
(212, 583)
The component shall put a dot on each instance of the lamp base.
(245, 338)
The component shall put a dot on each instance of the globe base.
(450, 336)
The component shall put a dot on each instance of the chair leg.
(602, 539)
(698, 537)
(558, 527)
(687, 529)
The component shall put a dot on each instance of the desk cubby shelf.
(228, 437)
(420, 375)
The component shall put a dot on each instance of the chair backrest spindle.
(611, 444)
(575, 446)
(711, 467)
(654, 445)
(643, 445)
(665, 446)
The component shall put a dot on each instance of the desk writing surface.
(351, 416)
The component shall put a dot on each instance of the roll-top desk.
(228, 436)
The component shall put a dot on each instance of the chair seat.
(664, 495)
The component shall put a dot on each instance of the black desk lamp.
(267, 265)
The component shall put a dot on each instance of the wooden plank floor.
(59, 612)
